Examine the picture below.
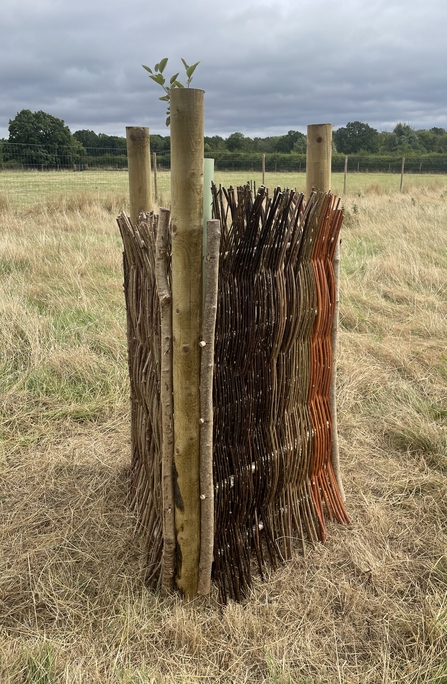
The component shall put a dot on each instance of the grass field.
(21, 190)
(370, 606)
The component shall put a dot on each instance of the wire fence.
(33, 175)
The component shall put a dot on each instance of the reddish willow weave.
(272, 469)
(273, 473)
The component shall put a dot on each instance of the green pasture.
(24, 189)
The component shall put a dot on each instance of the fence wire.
(29, 175)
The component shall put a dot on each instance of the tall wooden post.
(154, 168)
(187, 130)
(139, 165)
(345, 175)
(319, 157)
(402, 174)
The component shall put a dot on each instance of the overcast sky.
(267, 66)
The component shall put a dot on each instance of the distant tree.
(403, 140)
(44, 140)
(160, 143)
(300, 145)
(265, 145)
(294, 141)
(438, 131)
(87, 138)
(237, 142)
(434, 140)
(406, 137)
(215, 142)
(112, 143)
(356, 137)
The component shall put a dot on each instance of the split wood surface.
(206, 407)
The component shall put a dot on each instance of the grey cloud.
(265, 67)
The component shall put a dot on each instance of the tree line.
(40, 140)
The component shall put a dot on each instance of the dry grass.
(369, 607)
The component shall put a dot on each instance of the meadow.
(24, 189)
(369, 606)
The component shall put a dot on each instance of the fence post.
(139, 165)
(263, 169)
(402, 174)
(319, 157)
(187, 131)
(345, 175)
(154, 167)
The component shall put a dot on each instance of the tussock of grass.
(80, 202)
(4, 203)
(370, 606)
(373, 189)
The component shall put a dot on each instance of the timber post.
(139, 165)
(345, 175)
(187, 144)
(154, 168)
(319, 157)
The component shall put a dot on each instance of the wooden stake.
(402, 174)
(263, 169)
(139, 165)
(154, 166)
(345, 175)
(187, 132)
(206, 407)
(164, 295)
(319, 157)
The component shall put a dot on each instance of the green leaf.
(158, 78)
(190, 70)
(173, 78)
(168, 121)
(156, 67)
(184, 63)
(165, 98)
(147, 68)
(177, 84)
(162, 65)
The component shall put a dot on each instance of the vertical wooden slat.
(206, 407)
(139, 165)
(319, 157)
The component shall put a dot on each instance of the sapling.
(156, 74)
